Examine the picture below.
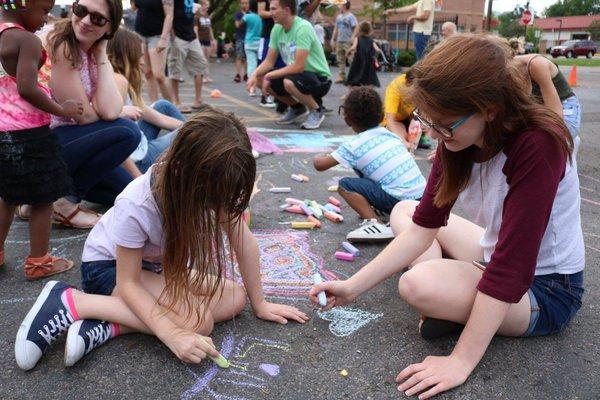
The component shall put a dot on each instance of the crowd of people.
(75, 127)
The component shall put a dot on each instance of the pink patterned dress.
(17, 113)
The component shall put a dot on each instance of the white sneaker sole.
(291, 121)
(72, 348)
(21, 343)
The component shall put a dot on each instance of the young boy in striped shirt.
(387, 173)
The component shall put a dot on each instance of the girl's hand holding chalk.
(338, 293)
(191, 347)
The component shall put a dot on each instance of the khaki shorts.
(189, 55)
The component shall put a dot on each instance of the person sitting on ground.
(125, 52)
(509, 162)
(387, 172)
(306, 78)
(549, 87)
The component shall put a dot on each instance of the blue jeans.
(94, 154)
(420, 41)
(372, 191)
(251, 49)
(100, 277)
(158, 145)
(555, 299)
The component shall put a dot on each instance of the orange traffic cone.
(573, 76)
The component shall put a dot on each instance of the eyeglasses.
(447, 132)
(96, 19)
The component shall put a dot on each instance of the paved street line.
(244, 104)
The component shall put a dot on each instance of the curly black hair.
(363, 107)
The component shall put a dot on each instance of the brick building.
(467, 14)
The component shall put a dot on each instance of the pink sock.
(67, 300)
(116, 329)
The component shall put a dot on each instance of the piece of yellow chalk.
(332, 188)
(303, 225)
(344, 373)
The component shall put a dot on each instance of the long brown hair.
(473, 73)
(206, 176)
(63, 33)
(124, 52)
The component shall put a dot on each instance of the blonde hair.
(124, 52)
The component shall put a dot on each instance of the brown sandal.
(47, 267)
(58, 218)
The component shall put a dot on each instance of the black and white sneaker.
(371, 230)
(85, 336)
(43, 324)
(267, 102)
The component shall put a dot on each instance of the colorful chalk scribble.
(291, 141)
(287, 264)
(241, 374)
(345, 321)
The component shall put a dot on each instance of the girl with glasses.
(515, 266)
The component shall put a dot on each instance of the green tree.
(564, 8)
(594, 29)
(222, 12)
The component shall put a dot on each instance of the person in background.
(154, 21)
(240, 35)
(205, 36)
(253, 24)
(448, 29)
(186, 52)
(422, 21)
(363, 71)
(341, 41)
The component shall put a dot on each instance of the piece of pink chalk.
(314, 220)
(294, 209)
(291, 200)
(334, 201)
(341, 255)
(333, 217)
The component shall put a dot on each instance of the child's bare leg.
(39, 229)
(358, 203)
(6, 218)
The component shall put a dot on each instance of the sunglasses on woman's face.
(96, 19)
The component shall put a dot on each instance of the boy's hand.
(71, 108)
(279, 313)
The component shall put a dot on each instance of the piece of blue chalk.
(317, 278)
(351, 249)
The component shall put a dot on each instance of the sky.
(538, 6)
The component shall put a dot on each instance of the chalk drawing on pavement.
(345, 321)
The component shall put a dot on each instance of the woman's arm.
(396, 127)
(162, 121)
(106, 101)
(403, 250)
(541, 74)
(65, 83)
(167, 25)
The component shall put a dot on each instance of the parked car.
(574, 49)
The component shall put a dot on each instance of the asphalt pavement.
(371, 340)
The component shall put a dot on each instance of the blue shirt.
(381, 156)
(253, 27)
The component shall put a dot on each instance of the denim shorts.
(151, 41)
(100, 277)
(375, 195)
(555, 299)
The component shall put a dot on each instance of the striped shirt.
(382, 157)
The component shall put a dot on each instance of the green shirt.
(301, 36)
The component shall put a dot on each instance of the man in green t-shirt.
(306, 78)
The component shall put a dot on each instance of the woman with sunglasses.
(517, 269)
(95, 144)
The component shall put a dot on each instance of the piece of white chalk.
(292, 200)
(317, 278)
(351, 249)
(297, 178)
(280, 190)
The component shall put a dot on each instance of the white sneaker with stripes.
(371, 230)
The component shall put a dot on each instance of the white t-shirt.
(424, 27)
(133, 222)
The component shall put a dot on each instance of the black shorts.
(306, 82)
